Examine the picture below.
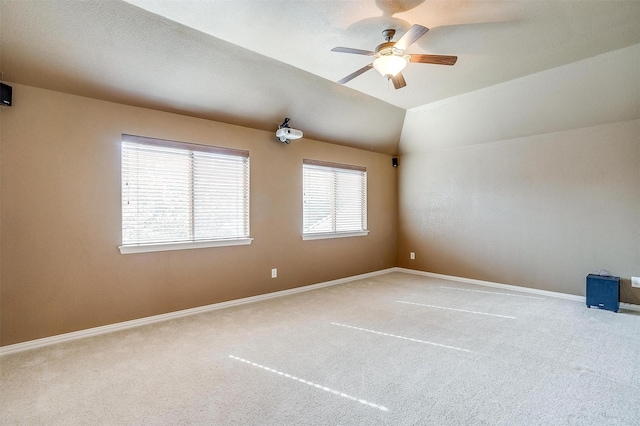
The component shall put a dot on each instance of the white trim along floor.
(96, 331)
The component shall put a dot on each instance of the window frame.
(364, 212)
(144, 247)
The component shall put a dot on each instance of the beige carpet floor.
(396, 349)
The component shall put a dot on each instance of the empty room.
(292, 212)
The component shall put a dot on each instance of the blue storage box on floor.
(603, 292)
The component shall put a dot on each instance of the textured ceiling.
(495, 41)
(253, 62)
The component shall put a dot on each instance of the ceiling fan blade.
(398, 81)
(354, 51)
(355, 74)
(434, 59)
(415, 32)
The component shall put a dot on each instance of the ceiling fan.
(390, 58)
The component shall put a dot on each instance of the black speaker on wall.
(5, 94)
(394, 162)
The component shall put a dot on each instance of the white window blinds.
(334, 198)
(176, 192)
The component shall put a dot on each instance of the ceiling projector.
(286, 134)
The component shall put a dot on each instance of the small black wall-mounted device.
(394, 162)
(5, 94)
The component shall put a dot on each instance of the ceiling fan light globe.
(389, 65)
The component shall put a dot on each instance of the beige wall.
(540, 212)
(61, 270)
(534, 182)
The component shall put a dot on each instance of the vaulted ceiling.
(254, 62)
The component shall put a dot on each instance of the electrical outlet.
(635, 282)
(274, 273)
(412, 256)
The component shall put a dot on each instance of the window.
(177, 195)
(334, 200)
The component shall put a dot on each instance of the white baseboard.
(496, 285)
(547, 293)
(96, 331)
(90, 332)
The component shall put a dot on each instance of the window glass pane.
(178, 195)
(220, 199)
(334, 199)
(349, 201)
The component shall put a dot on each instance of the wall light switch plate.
(635, 282)
(274, 273)
(412, 256)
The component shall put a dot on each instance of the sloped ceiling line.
(253, 62)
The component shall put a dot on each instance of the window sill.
(334, 235)
(146, 248)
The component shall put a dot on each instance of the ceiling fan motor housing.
(385, 49)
